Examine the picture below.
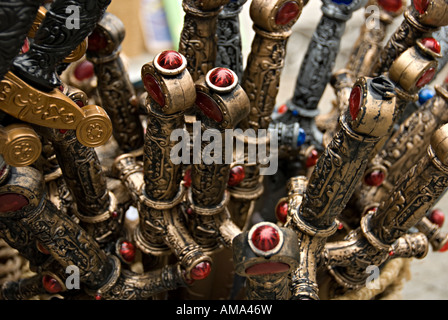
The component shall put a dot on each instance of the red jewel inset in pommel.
(41, 248)
(236, 175)
(208, 106)
(267, 268)
(201, 270)
(312, 158)
(84, 70)
(170, 62)
(374, 178)
(444, 248)
(221, 79)
(281, 211)
(355, 102)
(426, 77)
(431, 44)
(25, 46)
(265, 238)
(51, 284)
(96, 41)
(421, 5)
(127, 251)
(282, 109)
(287, 13)
(154, 89)
(11, 202)
(170, 59)
(391, 5)
(437, 217)
(187, 178)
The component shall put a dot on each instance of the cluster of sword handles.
(57, 209)
(381, 198)
(193, 217)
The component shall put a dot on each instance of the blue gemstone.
(301, 137)
(295, 113)
(343, 1)
(425, 94)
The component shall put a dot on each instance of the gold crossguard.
(54, 110)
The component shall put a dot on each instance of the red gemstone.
(426, 77)
(170, 60)
(282, 109)
(114, 214)
(340, 226)
(391, 5)
(287, 13)
(432, 44)
(79, 103)
(267, 268)
(421, 5)
(84, 70)
(201, 270)
(237, 175)
(355, 102)
(63, 131)
(96, 41)
(374, 178)
(444, 248)
(221, 77)
(281, 211)
(208, 106)
(187, 178)
(437, 217)
(265, 238)
(127, 251)
(41, 248)
(98, 297)
(51, 284)
(12, 202)
(374, 209)
(26, 46)
(154, 89)
(312, 159)
(391, 253)
(190, 211)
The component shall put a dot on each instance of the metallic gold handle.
(414, 26)
(54, 110)
(414, 193)
(198, 38)
(265, 63)
(220, 106)
(116, 92)
(338, 170)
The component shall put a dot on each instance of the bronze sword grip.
(116, 92)
(198, 41)
(415, 193)
(414, 26)
(261, 77)
(338, 170)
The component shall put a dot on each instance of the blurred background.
(155, 25)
